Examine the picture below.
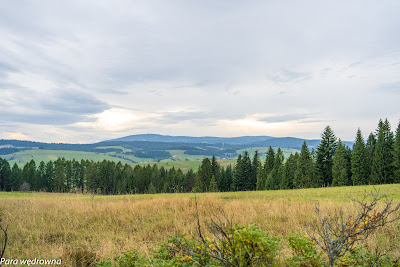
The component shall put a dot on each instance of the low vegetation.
(85, 228)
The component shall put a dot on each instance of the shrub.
(231, 246)
(337, 233)
(304, 251)
(25, 187)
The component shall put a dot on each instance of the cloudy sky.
(85, 71)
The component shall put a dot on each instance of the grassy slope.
(38, 155)
(179, 158)
(54, 225)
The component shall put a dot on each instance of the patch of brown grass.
(71, 226)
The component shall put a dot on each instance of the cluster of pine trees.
(376, 161)
(106, 177)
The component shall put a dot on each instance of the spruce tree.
(229, 178)
(216, 170)
(5, 175)
(396, 155)
(205, 174)
(260, 185)
(339, 169)
(274, 177)
(16, 177)
(255, 168)
(382, 163)
(359, 161)
(369, 154)
(303, 177)
(288, 172)
(49, 174)
(237, 183)
(213, 187)
(269, 161)
(59, 177)
(324, 157)
(247, 173)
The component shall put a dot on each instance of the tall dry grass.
(53, 226)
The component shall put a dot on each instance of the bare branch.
(3, 249)
(335, 234)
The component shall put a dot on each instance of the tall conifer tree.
(369, 154)
(303, 177)
(359, 161)
(274, 177)
(255, 168)
(396, 154)
(289, 171)
(269, 161)
(339, 169)
(382, 163)
(324, 157)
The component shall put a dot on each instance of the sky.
(83, 71)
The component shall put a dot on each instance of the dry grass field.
(55, 226)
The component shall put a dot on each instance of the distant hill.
(151, 148)
(246, 141)
(190, 139)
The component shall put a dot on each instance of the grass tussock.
(77, 228)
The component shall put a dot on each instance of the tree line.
(374, 161)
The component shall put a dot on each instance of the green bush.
(236, 246)
(304, 251)
(360, 257)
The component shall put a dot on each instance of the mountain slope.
(190, 139)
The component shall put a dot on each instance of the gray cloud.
(61, 63)
(286, 76)
(390, 87)
(4, 69)
(72, 103)
(285, 118)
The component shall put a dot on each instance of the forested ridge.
(374, 161)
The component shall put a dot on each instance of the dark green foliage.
(5, 175)
(324, 158)
(28, 174)
(204, 175)
(213, 187)
(16, 176)
(269, 161)
(369, 154)
(274, 178)
(59, 183)
(303, 176)
(252, 183)
(260, 185)
(216, 171)
(289, 172)
(382, 164)
(243, 173)
(396, 155)
(340, 166)
(359, 161)
(228, 178)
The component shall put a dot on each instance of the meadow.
(56, 226)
